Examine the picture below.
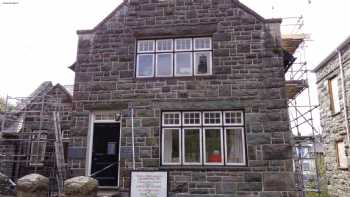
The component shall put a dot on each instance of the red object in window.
(215, 158)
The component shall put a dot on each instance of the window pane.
(212, 118)
(202, 43)
(235, 147)
(213, 146)
(165, 45)
(192, 146)
(202, 63)
(233, 118)
(183, 64)
(145, 65)
(183, 44)
(191, 118)
(171, 146)
(38, 148)
(145, 46)
(335, 95)
(171, 118)
(164, 64)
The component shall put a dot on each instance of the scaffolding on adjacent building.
(30, 138)
(308, 151)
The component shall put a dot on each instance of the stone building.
(198, 84)
(27, 135)
(333, 83)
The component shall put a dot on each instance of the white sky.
(38, 38)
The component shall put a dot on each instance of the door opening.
(105, 153)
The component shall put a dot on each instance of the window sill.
(343, 169)
(194, 167)
(174, 78)
(335, 114)
(36, 164)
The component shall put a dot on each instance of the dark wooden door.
(105, 153)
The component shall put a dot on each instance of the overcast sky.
(38, 38)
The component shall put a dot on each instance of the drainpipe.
(341, 67)
(133, 137)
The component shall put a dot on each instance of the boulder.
(81, 187)
(32, 185)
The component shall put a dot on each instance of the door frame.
(92, 121)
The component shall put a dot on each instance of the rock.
(81, 187)
(32, 185)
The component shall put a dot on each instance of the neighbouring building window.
(334, 95)
(38, 148)
(203, 138)
(174, 57)
(65, 143)
(342, 160)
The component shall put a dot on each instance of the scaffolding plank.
(295, 87)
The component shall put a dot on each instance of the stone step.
(108, 193)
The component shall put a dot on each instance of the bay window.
(174, 57)
(203, 138)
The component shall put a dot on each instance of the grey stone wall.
(334, 124)
(247, 74)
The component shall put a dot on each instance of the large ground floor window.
(203, 138)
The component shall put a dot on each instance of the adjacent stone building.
(333, 82)
(198, 84)
(27, 140)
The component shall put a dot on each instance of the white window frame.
(183, 118)
(202, 129)
(171, 125)
(334, 95)
(209, 66)
(200, 149)
(243, 146)
(233, 124)
(193, 50)
(180, 147)
(172, 64)
(161, 51)
(202, 49)
(39, 141)
(183, 50)
(175, 62)
(138, 63)
(221, 146)
(140, 41)
(209, 124)
(65, 134)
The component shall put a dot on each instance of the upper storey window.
(334, 95)
(174, 57)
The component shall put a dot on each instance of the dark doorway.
(105, 153)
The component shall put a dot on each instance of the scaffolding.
(31, 141)
(308, 153)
